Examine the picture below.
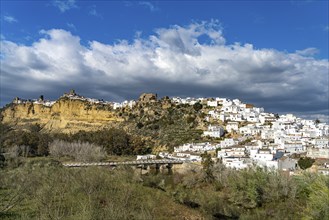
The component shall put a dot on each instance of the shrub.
(318, 200)
(197, 106)
(84, 152)
(305, 162)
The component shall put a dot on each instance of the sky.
(273, 54)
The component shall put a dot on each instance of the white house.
(225, 152)
(195, 147)
(214, 131)
(318, 152)
(117, 105)
(238, 151)
(228, 142)
(263, 155)
(146, 157)
(212, 103)
(266, 117)
(223, 116)
(287, 118)
(188, 156)
(267, 133)
(252, 117)
(236, 163)
(321, 142)
(294, 147)
(235, 117)
(232, 126)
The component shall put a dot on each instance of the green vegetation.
(207, 166)
(31, 141)
(43, 189)
(197, 106)
(305, 162)
(165, 126)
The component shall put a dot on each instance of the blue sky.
(271, 53)
(283, 25)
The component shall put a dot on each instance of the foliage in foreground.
(93, 193)
(45, 190)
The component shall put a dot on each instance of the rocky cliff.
(65, 115)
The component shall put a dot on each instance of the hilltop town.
(212, 158)
(237, 134)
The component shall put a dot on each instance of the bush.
(305, 162)
(197, 106)
(84, 152)
(318, 200)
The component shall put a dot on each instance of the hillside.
(72, 113)
(65, 115)
(153, 123)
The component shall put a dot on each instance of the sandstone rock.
(148, 97)
(61, 116)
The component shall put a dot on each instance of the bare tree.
(84, 152)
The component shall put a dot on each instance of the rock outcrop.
(66, 115)
(147, 98)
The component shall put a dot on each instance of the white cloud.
(64, 5)
(9, 19)
(191, 61)
(71, 26)
(149, 6)
(94, 12)
(326, 28)
(308, 51)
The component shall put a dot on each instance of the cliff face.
(66, 115)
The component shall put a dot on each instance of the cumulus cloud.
(193, 60)
(64, 5)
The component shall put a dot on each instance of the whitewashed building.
(232, 126)
(236, 163)
(214, 131)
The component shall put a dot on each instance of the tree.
(318, 199)
(80, 151)
(2, 161)
(207, 165)
(317, 121)
(197, 106)
(305, 162)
